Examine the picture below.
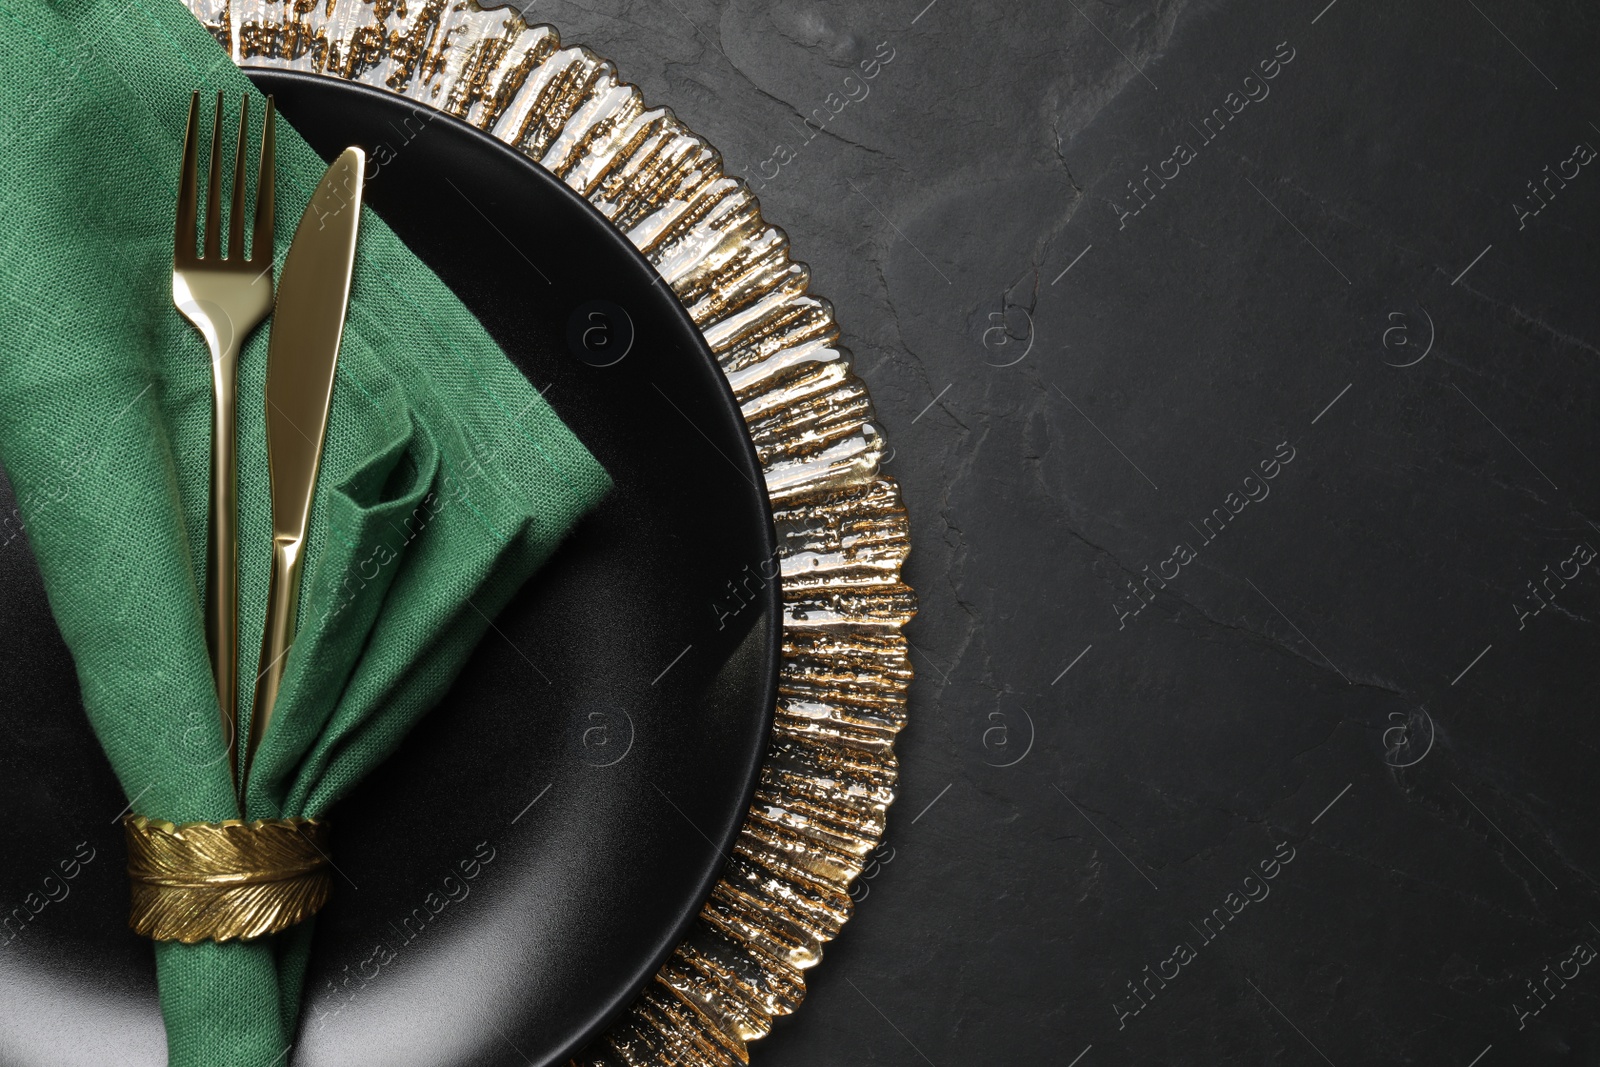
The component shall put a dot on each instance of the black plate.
(613, 692)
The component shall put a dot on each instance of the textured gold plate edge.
(830, 772)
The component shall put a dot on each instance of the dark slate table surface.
(1239, 360)
(1240, 364)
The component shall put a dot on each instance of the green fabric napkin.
(446, 479)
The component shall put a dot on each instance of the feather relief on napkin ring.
(216, 881)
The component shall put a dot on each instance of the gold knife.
(307, 323)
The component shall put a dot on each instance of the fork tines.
(183, 247)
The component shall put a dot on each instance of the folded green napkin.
(446, 479)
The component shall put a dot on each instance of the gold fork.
(225, 297)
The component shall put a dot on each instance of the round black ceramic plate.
(518, 871)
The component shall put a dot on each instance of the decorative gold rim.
(830, 770)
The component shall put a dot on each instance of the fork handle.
(222, 552)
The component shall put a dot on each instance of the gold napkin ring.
(223, 880)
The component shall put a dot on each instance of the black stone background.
(1056, 433)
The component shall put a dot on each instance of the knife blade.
(302, 355)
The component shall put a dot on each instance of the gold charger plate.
(829, 774)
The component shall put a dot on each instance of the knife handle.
(283, 602)
(222, 552)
